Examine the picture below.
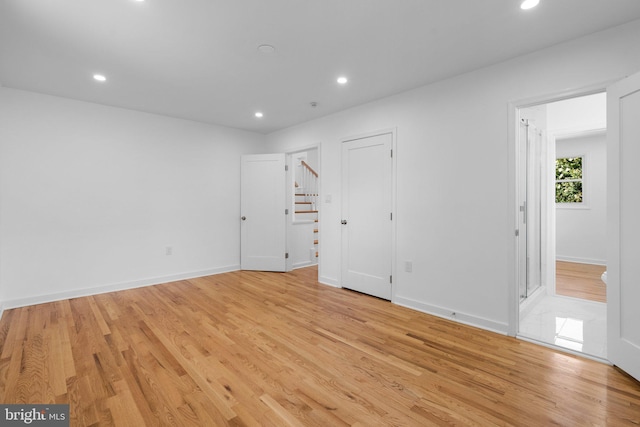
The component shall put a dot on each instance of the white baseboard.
(581, 260)
(40, 299)
(1, 309)
(303, 264)
(467, 319)
(329, 281)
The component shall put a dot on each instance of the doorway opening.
(304, 204)
(561, 163)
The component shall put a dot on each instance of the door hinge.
(286, 255)
(392, 152)
(286, 211)
(523, 209)
(286, 167)
(391, 216)
(390, 279)
(517, 233)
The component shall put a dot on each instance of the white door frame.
(512, 187)
(394, 168)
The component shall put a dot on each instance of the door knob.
(344, 222)
(243, 217)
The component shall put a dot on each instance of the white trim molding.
(335, 283)
(442, 312)
(45, 298)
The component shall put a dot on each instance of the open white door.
(623, 225)
(366, 220)
(263, 213)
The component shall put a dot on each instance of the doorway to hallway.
(304, 203)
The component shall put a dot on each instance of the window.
(569, 180)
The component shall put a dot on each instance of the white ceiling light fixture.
(342, 80)
(529, 4)
(99, 78)
(259, 115)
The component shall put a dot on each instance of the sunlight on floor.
(571, 323)
(569, 333)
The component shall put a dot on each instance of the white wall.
(581, 231)
(577, 114)
(455, 223)
(91, 195)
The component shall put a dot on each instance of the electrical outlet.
(168, 250)
(408, 266)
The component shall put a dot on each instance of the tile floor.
(576, 324)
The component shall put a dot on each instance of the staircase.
(306, 199)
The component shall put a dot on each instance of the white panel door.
(366, 219)
(262, 209)
(623, 266)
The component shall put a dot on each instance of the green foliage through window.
(569, 180)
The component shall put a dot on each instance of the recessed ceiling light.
(342, 80)
(529, 4)
(267, 49)
(259, 115)
(99, 77)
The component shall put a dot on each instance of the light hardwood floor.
(580, 281)
(248, 348)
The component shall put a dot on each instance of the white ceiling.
(198, 59)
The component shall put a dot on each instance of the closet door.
(263, 220)
(366, 215)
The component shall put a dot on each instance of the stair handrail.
(309, 168)
(309, 184)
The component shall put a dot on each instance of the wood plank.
(580, 281)
(253, 348)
